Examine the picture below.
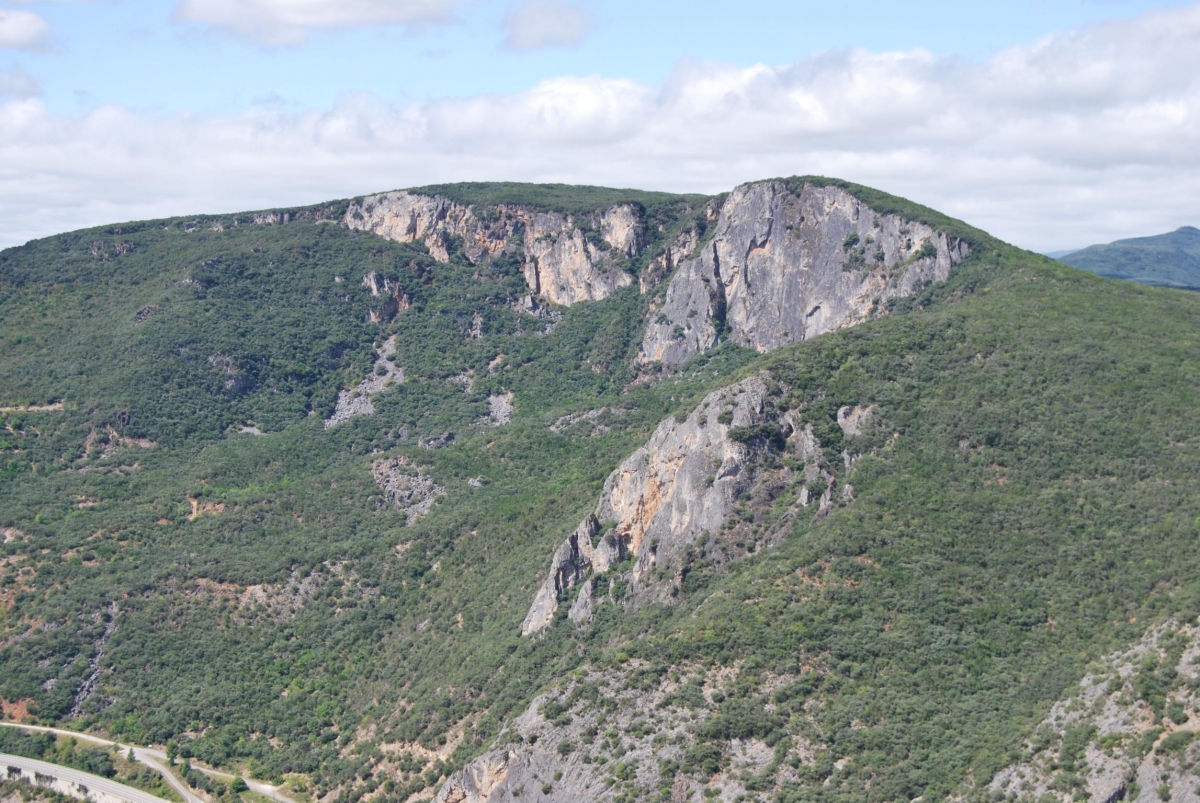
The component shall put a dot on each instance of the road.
(94, 783)
(157, 761)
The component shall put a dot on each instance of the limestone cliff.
(786, 265)
(680, 489)
(681, 482)
(567, 258)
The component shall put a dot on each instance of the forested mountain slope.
(1170, 260)
(495, 491)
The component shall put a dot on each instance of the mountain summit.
(1170, 260)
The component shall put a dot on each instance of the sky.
(1051, 123)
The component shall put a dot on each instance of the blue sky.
(138, 53)
(1052, 123)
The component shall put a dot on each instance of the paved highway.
(94, 783)
(157, 760)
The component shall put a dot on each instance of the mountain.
(1171, 260)
(484, 492)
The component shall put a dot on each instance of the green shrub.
(1176, 742)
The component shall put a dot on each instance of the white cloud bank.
(290, 22)
(1079, 138)
(537, 24)
(22, 30)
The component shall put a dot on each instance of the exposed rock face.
(783, 267)
(407, 486)
(593, 423)
(568, 258)
(356, 402)
(500, 409)
(852, 419)
(103, 444)
(672, 501)
(626, 721)
(681, 249)
(681, 483)
(1106, 740)
(564, 267)
(516, 772)
(394, 299)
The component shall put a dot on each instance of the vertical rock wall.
(783, 267)
(682, 482)
(568, 258)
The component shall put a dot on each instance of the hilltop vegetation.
(1024, 501)
(1171, 260)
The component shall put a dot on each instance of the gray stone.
(562, 264)
(783, 267)
(357, 401)
(407, 486)
(852, 419)
(682, 482)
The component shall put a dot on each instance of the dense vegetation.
(1026, 501)
(1029, 501)
(566, 198)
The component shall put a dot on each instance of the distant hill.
(1170, 260)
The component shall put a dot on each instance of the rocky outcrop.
(518, 772)
(407, 486)
(589, 423)
(1127, 732)
(500, 409)
(784, 266)
(683, 482)
(392, 296)
(357, 401)
(599, 737)
(564, 267)
(853, 419)
(672, 502)
(567, 258)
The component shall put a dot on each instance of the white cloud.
(1080, 138)
(22, 29)
(535, 24)
(15, 82)
(289, 22)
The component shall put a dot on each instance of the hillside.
(803, 492)
(1170, 260)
